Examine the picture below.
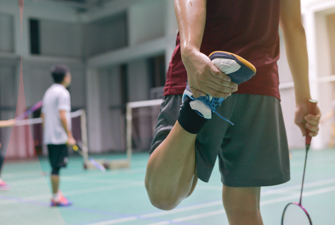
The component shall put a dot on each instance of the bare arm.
(42, 117)
(62, 116)
(296, 50)
(7, 123)
(203, 76)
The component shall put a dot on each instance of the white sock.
(56, 196)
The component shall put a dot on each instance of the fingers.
(223, 83)
(311, 117)
(223, 93)
(218, 74)
(302, 129)
(197, 93)
(218, 87)
(312, 124)
(313, 130)
(204, 77)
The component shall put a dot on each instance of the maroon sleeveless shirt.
(248, 28)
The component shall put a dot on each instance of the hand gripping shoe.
(237, 68)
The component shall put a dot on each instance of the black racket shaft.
(311, 110)
(77, 148)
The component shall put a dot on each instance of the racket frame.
(30, 111)
(299, 205)
(82, 150)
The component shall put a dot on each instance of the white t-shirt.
(55, 99)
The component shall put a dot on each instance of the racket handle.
(311, 110)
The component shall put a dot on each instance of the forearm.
(65, 125)
(191, 18)
(42, 117)
(6, 123)
(296, 50)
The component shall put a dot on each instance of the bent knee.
(163, 200)
(163, 204)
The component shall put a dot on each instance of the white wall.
(6, 33)
(138, 81)
(324, 69)
(61, 39)
(117, 119)
(105, 35)
(112, 120)
(146, 21)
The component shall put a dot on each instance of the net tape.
(39, 120)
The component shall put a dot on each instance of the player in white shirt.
(57, 134)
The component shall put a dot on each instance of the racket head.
(294, 214)
(31, 110)
(97, 165)
(79, 146)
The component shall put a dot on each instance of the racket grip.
(311, 110)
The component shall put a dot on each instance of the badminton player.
(252, 153)
(57, 127)
(4, 123)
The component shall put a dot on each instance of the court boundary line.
(219, 202)
(262, 203)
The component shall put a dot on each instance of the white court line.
(267, 202)
(122, 220)
(276, 190)
(163, 213)
(69, 193)
(103, 181)
(38, 171)
(214, 203)
(19, 175)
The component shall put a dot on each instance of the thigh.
(167, 117)
(58, 155)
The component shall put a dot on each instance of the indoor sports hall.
(118, 52)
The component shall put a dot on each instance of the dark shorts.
(252, 153)
(58, 155)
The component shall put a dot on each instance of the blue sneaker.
(237, 68)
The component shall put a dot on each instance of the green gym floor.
(119, 197)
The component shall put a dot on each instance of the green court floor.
(119, 197)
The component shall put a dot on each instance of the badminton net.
(33, 127)
(141, 122)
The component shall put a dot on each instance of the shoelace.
(212, 105)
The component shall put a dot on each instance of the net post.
(129, 132)
(84, 133)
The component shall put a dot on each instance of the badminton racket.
(77, 148)
(294, 213)
(30, 111)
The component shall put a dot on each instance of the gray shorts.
(252, 153)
